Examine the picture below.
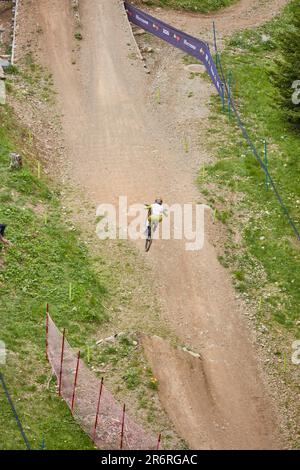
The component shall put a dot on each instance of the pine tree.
(287, 74)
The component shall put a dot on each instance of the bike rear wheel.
(148, 242)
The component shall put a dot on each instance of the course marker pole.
(61, 361)
(223, 97)
(47, 330)
(122, 427)
(186, 144)
(214, 215)
(98, 408)
(229, 93)
(215, 41)
(217, 60)
(158, 442)
(266, 162)
(43, 445)
(158, 96)
(75, 382)
(70, 291)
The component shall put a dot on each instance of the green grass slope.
(45, 257)
(261, 249)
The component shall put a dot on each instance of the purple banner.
(185, 42)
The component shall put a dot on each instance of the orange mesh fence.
(95, 408)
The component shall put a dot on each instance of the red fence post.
(75, 382)
(47, 330)
(158, 442)
(61, 362)
(122, 428)
(98, 408)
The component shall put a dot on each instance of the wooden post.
(97, 412)
(61, 362)
(75, 382)
(122, 427)
(158, 442)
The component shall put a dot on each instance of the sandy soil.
(118, 144)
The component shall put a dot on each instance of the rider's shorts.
(155, 218)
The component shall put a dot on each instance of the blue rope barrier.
(254, 150)
(19, 424)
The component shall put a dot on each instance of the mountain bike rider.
(156, 212)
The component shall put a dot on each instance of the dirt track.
(243, 14)
(116, 147)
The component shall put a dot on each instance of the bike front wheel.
(148, 244)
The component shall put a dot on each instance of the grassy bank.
(45, 257)
(201, 6)
(261, 249)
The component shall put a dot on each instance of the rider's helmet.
(159, 201)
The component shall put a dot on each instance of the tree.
(286, 76)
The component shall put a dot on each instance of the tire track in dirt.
(116, 147)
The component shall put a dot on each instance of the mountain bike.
(150, 232)
(151, 227)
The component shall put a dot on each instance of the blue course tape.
(255, 152)
(14, 412)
